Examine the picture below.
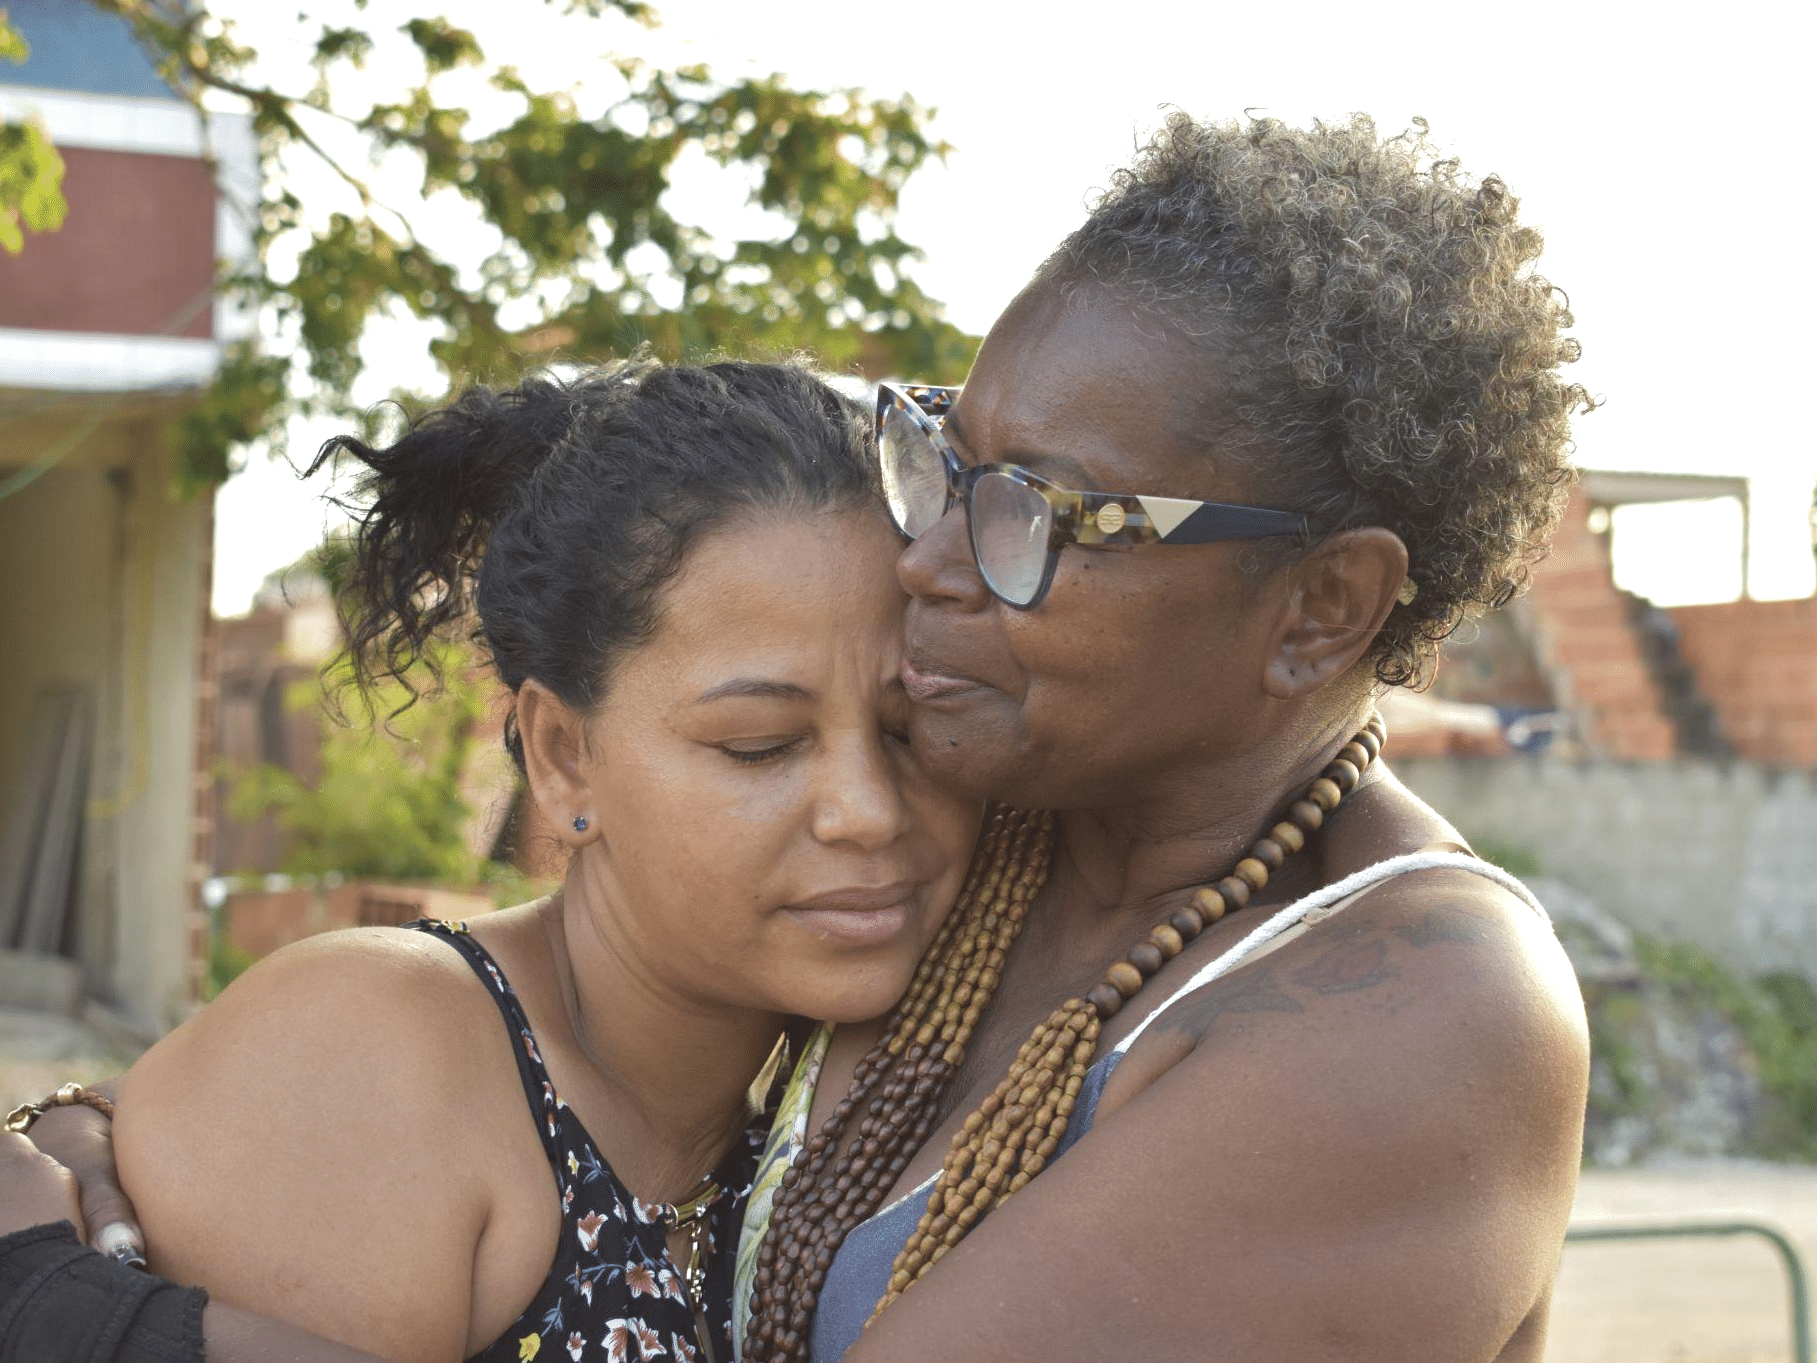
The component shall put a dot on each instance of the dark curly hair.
(1377, 323)
(555, 511)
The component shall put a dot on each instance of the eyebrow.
(1056, 466)
(754, 688)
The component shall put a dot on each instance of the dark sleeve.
(61, 1302)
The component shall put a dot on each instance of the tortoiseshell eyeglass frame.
(1079, 517)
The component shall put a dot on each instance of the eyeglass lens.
(1010, 525)
(1010, 522)
(914, 475)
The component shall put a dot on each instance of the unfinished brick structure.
(1642, 683)
(1757, 663)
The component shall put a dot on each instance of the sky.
(1659, 148)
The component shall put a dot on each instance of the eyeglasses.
(1021, 521)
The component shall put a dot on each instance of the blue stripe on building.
(77, 47)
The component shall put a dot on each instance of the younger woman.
(528, 1135)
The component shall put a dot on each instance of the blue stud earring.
(580, 823)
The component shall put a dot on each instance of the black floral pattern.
(612, 1294)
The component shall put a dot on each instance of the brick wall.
(1584, 634)
(261, 921)
(253, 723)
(136, 257)
(202, 795)
(1756, 661)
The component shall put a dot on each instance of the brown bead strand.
(842, 1175)
(1016, 1130)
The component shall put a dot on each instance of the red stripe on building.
(136, 255)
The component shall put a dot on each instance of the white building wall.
(106, 575)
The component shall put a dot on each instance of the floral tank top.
(613, 1293)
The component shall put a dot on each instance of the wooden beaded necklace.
(838, 1181)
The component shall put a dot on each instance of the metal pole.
(1797, 1280)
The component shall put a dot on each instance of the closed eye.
(750, 756)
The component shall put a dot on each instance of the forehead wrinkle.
(1059, 468)
(1145, 415)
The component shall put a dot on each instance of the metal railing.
(1798, 1282)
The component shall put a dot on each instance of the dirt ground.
(1683, 1301)
(1690, 1301)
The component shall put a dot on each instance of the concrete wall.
(106, 583)
(60, 563)
(153, 970)
(1721, 855)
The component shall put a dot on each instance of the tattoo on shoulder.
(1442, 925)
(1346, 967)
(1355, 960)
(1252, 991)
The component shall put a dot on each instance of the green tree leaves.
(31, 172)
(575, 248)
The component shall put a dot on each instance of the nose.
(860, 801)
(939, 567)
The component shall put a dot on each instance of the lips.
(857, 898)
(927, 675)
(927, 681)
(858, 914)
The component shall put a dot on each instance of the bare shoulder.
(371, 1002)
(1372, 1133)
(1454, 953)
(1437, 986)
(309, 1145)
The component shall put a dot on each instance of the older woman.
(1240, 1055)
(1363, 1143)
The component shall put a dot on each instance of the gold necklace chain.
(691, 1215)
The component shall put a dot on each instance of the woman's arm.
(1369, 1157)
(36, 1193)
(302, 1149)
(236, 1336)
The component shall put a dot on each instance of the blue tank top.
(860, 1271)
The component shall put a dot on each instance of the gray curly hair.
(1377, 323)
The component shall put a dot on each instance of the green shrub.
(226, 963)
(1787, 1047)
(1775, 1015)
(1516, 861)
(388, 805)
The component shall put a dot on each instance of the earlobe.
(1338, 597)
(553, 737)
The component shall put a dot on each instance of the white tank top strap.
(1324, 903)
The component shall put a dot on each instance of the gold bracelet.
(20, 1119)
